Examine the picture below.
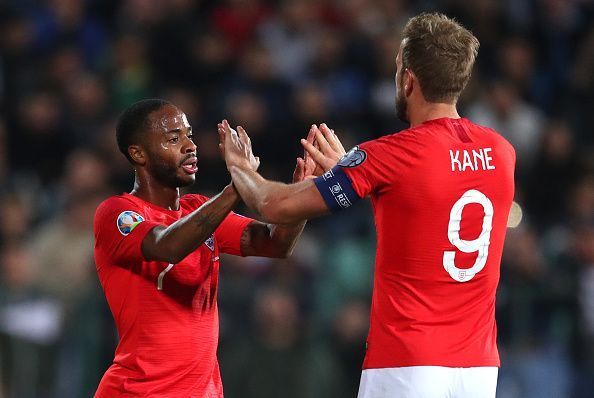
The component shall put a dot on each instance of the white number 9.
(480, 244)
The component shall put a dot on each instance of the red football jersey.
(441, 194)
(166, 314)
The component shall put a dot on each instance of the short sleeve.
(362, 171)
(369, 166)
(229, 232)
(120, 226)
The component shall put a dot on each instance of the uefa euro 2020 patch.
(353, 158)
(127, 221)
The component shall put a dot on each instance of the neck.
(430, 111)
(153, 192)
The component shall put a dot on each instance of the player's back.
(441, 206)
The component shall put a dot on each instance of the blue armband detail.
(336, 189)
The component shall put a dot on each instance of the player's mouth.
(190, 165)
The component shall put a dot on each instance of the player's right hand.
(325, 150)
(236, 147)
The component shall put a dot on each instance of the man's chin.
(187, 181)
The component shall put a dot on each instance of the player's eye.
(173, 140)
(191, 137)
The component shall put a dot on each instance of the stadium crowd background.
(291, 328)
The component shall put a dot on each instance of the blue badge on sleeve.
(353, 158)
(127, 221)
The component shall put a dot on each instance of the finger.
(229, 137)
(311, 135)
(323, 144)
(222, 138)
(309, 165)
(243, 135)
(337, 140)
(299, 172)
(234, 136)
(257, 158)
(330, 137)
(327, 135)
(230, 131)
(244, 138)
(315, 154)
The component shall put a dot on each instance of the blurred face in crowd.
(169, 148)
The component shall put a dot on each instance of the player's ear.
(409, 81)
(137, 154)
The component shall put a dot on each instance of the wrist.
(238, 167)
(231, 192)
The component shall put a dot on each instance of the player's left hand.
(306, 168)
(326, 150)
(236, 147)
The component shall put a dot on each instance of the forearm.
(284, 236)
(270, 240)
(275, 202)
(255, 190)
(179, 239)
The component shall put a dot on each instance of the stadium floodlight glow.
(515, 215)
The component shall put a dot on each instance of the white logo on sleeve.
(127, 221)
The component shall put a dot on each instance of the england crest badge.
(210, 243)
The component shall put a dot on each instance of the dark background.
(291, 328)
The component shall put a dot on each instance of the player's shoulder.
(385, 148)
(193, 199)
(491, 135)
(118, 209)
(392, 138)
(116, 202)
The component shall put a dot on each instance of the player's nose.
(189, 146)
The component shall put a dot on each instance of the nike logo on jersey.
(473, 160)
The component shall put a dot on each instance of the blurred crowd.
(293, 328)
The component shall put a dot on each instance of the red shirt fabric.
(166, 315)
(441, 194)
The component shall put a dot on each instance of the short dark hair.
(133, 120)
(441, 53)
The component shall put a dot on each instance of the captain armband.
(336, 189)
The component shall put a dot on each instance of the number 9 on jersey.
(480, 244)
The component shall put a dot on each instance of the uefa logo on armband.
(127, 221)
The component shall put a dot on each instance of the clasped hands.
(322, 150)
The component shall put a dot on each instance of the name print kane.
(475, 159)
